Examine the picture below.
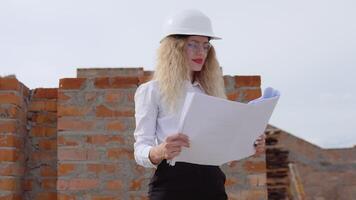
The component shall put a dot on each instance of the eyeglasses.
(197, 46)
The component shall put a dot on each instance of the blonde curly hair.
(172, 70)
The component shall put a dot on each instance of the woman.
(186, 63)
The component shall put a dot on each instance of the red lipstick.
(198, 60)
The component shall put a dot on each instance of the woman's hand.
(169, 149)
(259, 145)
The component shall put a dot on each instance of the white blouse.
(153, 122)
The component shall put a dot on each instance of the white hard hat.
(189, 22)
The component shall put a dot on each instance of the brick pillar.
(41, 146)
(277, 157)
(242, 88)
(95, 138)
(13, 107)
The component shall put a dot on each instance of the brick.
(247, 81)
(102, 82)
(8, 127)
(232, 164)
(25, 91)
(118, 153)
(109, 72)
(113, 97)
(115, 126)
(65, 197)
(44, 118)
(9, 112)
(11, 169)
(48, 144)
(233, 96)
(255, 166)
(257, 180)
(253, 194)
(144, 79)
(74, 125)
(114, 185)
(131, 97)
(27, 184)
(43, 105)
(42, 156)
(45, 93)
(123, 82)
(104, 198)
(48, 184)
(10, 155)
(116, 82)
(46, 196)
(72, 110)
(98, 139)
(136, 184)
(251, 94)
(71, 83)
(91, 96)
(8, 184)
(77, 184)
(148, 73)
(64, 141)
(117, 139)
(39, 131)
(103, 111)
(101, 168)
(62, 96)
(138, 196)
(72, 154)
(11, 197)
(232, 195)
(77, 154)
(47, 171)
(229, 81)
(10, 99)
(10, 141)
(65, 168)
(231, 181)
(140, 170)
(9, 84)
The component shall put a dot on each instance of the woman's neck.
(192, 77)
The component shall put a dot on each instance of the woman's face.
(196, 49)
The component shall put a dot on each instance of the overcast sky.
(304, 48)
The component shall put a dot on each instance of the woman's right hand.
(169, 149)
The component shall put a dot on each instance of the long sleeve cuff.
(143, 159)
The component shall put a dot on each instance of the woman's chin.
(196, 68)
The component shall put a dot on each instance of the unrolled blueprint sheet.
(220, 130)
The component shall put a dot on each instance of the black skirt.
(186, 181)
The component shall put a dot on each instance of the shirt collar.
(195, 84)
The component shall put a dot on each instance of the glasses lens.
(196, 46)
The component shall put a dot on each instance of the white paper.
(220, 130)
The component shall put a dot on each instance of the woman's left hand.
(259, 145)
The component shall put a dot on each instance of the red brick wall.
(41, 145)
(13, 109)
(79, 142)
(95, 126)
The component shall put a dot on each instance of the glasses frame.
(195, 46)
